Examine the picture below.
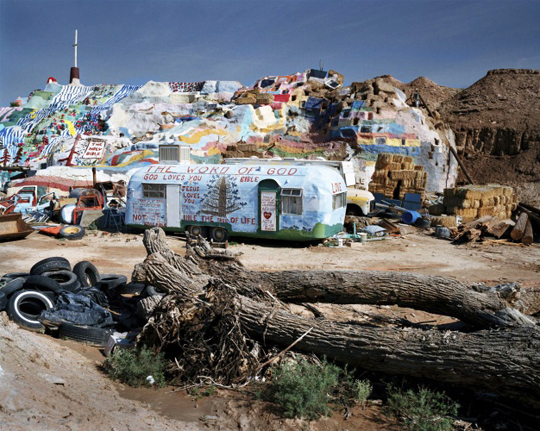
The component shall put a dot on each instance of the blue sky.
(452, 42)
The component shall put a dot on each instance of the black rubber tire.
(3, 301)
(25, 306)
(14, 275)
(219, 234)
(72, 232)
(87, 273)
(13, 286)
(111, 281)
(76, 193)
(50, 264)
(85, 334)
(195, 230)
(39, 282)
(152, 291)
(66, 279)
(131, 288)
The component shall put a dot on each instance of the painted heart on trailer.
(267, 215)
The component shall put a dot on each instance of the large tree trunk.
(503, 361)
(439, 295)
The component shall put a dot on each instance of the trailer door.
(173, 205)
(269, 206)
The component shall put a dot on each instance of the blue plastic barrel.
(409, 217)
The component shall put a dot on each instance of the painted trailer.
(299, 203)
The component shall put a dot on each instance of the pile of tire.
(26, 295)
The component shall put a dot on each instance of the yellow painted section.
(213, 150)
(71, 128)
(133, 159)
(197, 136)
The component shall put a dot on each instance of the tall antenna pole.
(74, 72)
(76, 31)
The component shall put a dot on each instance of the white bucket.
(363, 237)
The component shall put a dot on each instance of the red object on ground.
(53, 230)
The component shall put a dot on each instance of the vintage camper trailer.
(217, 201)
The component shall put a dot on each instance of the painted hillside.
(118, 128)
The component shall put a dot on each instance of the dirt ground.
(51, 384)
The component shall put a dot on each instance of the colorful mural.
(304, 115)
(286, 202)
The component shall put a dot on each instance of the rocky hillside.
(497, 126)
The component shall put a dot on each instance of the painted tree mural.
(222, 197)
(5, 158)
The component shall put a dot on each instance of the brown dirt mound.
(432, 93)
(497, 126)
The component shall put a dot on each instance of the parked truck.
(262, 201)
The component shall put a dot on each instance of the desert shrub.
(424, 410)
(303, 389)
(362, 390)
(133, 367)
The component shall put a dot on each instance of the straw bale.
(418, 167)
(471, 212)
(487, 202)
(406, 166)
(446, 221)
(393, 166)
(408, 159)
(484, 211)
(437, 209)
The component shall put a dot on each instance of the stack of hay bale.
(254, 97)
(473, 202)
(396, 175)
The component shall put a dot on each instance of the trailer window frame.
(154, 190)
(339, 200)
(292, 201)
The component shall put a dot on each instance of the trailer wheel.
(198, 230)
(219, 234)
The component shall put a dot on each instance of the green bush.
(132, 367)
(303, 389)
(362, 390)
(424, 410)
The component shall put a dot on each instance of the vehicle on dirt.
(289, 202)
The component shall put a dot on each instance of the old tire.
(66, 279)
(14, 275)
(219, 234)
(198, 230)
(39, 282)
(25, 306)
(112, 281)
(85, 334)
(3, 301)
(13, 286)
(152, 291)
(87, 273)
(50, 264)
(131, 288)
(71, 232)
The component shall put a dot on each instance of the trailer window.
(340, 200)
(291, 201)
(153, 190)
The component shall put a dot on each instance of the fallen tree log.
(502, 362)
(213, 329)
(439, 295)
